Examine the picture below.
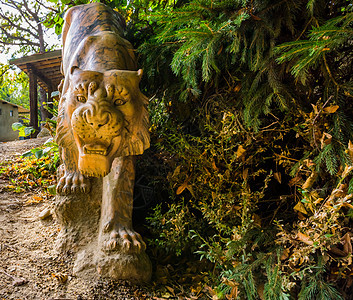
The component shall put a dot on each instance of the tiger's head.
(103, 115)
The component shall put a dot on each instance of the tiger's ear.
(73, 68)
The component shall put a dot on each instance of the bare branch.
(14, 5)
(27, 43)
(34, 15)
(49, 8)
(10, 22)
(39, 25)
(15, 38)
(15, 30)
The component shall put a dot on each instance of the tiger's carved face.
(106, 115)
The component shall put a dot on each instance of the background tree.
(22, 32)
(13, 86)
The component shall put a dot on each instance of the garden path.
(29, 266)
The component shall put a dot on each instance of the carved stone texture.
(102, 126)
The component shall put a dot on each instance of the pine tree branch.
(303, 31)
(271, 7)
(329, 71)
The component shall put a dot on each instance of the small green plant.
(49, 147)
(34, 169)
(24, 131)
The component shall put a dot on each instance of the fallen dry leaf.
(278, 177)
(310, 181)
(350, 150)
(182, 187)
(241, 151)
(284, 254)
(171, 290)
(331, 109)
(316, 111)
(347, 245)
(295, 180)
(304, 238)
(245, 173)
(326, 139)
(300, 208)
(257, 220)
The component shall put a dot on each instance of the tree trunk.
(44, 114)
(41, 38)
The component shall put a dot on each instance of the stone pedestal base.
(79, 216)
(132, 267)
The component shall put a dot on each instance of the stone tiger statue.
(102, 119)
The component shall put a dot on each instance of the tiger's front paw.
(72, 183)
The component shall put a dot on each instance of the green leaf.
(17, 126)
(52, 189)
(38, 153)
(58, 28)
(27, 154)
(28, 131)
(46, 150)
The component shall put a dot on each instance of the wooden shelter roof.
(46, 66)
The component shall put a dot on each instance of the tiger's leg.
(116, 231)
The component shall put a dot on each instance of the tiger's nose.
(97, 120)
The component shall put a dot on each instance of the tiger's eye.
(119, 102)
(81, 99)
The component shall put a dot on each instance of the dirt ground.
(29, 266)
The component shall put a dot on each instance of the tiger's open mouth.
(96, 155)
(100, 152)
(95, 149)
